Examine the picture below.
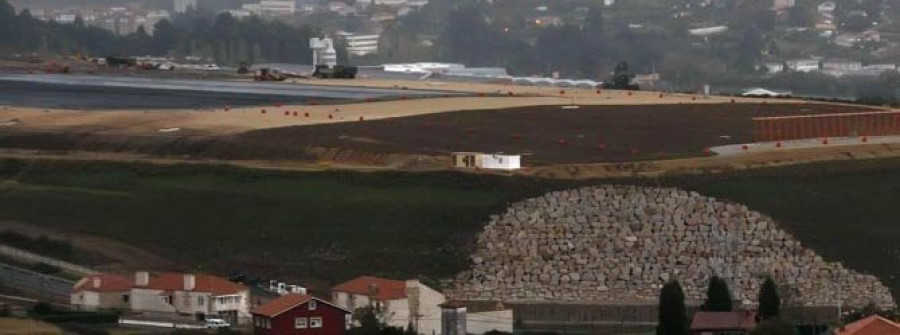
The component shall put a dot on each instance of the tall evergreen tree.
(672, 312)
(769, 301)
(718, 296)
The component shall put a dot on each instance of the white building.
(486, 161)
(397, 303)
(390, 3)
(803, 65)
(271, 8)
(174, 293)
(360, 44)
(182, 6)
(826, 7)
(278, 7)
(780, 5)
(65, 18)
(475, 317)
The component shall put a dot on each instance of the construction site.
(132, 157)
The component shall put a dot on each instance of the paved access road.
(35, 285)
(117, 92)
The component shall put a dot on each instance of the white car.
(211, 67)
(216, 324)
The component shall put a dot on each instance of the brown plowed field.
(549, 134)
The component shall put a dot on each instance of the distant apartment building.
(359, 45)
(182, 6)
(390, 3)
(782, 5)
(271, 8)
(837, 65)
(65, 18)
(803, 65)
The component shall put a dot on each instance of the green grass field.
(330, 226)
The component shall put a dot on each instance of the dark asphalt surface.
(35, 285)
(108, 92)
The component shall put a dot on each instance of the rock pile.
(620, 244)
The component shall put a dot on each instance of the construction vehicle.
(266, 74)
(244, 68)
(325, 61)
(335, 72)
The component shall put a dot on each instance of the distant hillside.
(214, 5)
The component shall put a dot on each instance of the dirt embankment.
(122, 258)
(546, 134)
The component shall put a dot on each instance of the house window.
(315, 322)
(300, 323)
(312, 305)
(126, 297)
(199, 301)
(268, 323)
(168, 299)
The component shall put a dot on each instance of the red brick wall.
(831, 125)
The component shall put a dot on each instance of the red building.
(297, 314)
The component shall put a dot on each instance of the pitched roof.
(873, 325)
(384, 289)
(723, 320)
(202, 283)
(107, 283)
(287, 302)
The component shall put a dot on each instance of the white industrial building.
(360, 44)
(486, 161)
(271, 8)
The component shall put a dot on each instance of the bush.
(45, 312)
(82, 318)
(46, 269)
(775, 326)
(42, 245)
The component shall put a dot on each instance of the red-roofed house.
(298, 314)
(181, 293)
(873, 325)
(101, 291)
(398, 303)
(195, 294)
(716, 323)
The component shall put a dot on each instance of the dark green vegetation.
(331, 226)
(223, 38)
(769, 301)
(42, 245)
(718, 296)
(673, 318)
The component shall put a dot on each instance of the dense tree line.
(221, 38)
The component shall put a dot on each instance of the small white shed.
(497, 161)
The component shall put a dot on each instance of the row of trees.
(198, 33)
(673, 319)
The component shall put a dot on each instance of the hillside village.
(815, 48)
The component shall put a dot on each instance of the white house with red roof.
(398, 303)
(101, 291)
(179, 293)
